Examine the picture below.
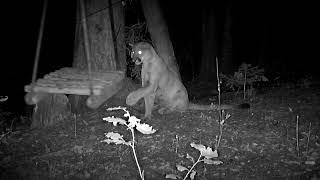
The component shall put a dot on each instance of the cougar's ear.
(131, 45)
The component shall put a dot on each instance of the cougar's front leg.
(134, 96)
(148, 103)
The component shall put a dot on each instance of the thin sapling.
(131, 124)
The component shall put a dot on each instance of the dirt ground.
(259, 143)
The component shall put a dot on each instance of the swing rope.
(36, 59)
(86, 43)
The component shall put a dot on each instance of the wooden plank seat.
(76, 81)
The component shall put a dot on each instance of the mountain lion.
(160, 83)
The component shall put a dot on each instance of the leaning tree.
(159, 33)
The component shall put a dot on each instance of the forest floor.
(258, 143)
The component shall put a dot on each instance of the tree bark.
(100, 37)
(209, 47)
(50, 110)
(101, 41)
(159, 33)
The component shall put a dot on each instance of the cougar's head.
(141, 52)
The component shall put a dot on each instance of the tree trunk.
(50, 110)
(103, 45)
(209, 48)
(159, 33)
(100, 37)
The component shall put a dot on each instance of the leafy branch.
(131, 124)
(206, 155)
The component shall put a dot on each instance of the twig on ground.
(309, 133)
(297, 136)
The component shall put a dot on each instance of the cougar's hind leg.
(148, 103)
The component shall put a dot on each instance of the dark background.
(288, 26)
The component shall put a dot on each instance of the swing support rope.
(86, 43)
(39, 42)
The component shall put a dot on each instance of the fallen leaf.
(172, 176)
(215, 162)
(310, 162)
(190, 158)
(192, 174)
(181, 168)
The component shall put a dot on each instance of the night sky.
(287, 24)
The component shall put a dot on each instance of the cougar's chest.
(146, 72)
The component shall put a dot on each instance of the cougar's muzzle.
(136, 57)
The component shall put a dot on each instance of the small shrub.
(245, 77)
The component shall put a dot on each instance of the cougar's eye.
(139, 52)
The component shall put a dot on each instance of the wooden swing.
(98, 85)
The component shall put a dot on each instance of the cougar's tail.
(217, 107)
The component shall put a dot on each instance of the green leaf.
(145, 128)
(205, 151)
(208, 153)
(133, 121)
(191, 158)
(200, 147)
(192, 174)
(115, 120)
(115, 138)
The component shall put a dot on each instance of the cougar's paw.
(132, 99)
(146, 118)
